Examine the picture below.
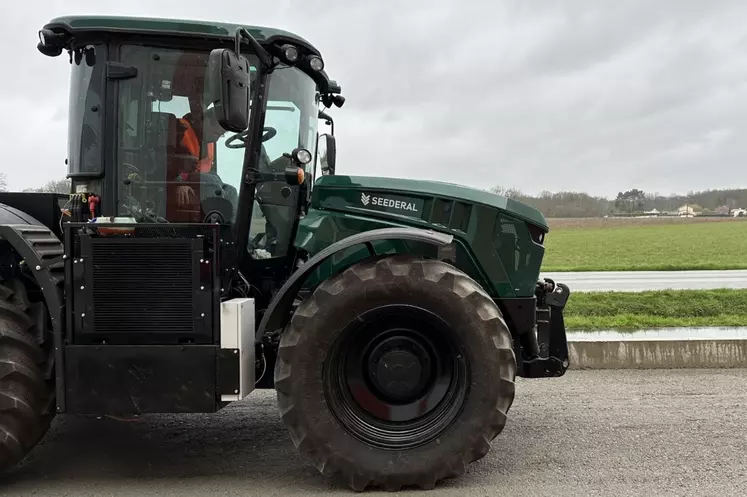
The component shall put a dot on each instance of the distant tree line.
(51, 186)
(569, 204)
(630, 202)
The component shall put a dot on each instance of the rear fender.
(279, 311)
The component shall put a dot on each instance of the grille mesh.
(141, 287)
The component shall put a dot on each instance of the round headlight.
(316, 63)
(291, 53)
(302, 155)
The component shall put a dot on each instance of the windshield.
(173, 164)
(291, 122)
(85, 120)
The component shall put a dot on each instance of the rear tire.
(24, 393)
(384, 334)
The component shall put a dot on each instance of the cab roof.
(166, 26)
(73, 26)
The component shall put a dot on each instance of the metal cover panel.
(237, 328)
(124, 379)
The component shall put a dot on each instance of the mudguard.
(44, 254)
(278, 312)
(11, 215)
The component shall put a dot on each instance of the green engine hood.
(499, 242)
(410, 198)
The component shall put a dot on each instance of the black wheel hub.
(396, 377)
(399, 368)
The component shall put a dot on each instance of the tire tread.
(450, 465)
(23, 388)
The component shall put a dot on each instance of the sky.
(596, 96)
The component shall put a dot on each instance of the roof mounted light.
(316, 63)
(290, 53)
(50, 43)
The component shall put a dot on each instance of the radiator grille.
(142, 287)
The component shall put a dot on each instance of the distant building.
(686, 211)
(723, 210)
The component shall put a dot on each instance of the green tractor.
(208, 249)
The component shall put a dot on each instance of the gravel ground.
(678, 432)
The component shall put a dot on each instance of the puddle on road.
(664, 334)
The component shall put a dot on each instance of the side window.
(85, 121)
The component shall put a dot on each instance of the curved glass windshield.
(173, 165)
(291, 122)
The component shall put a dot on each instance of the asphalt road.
(638, 281)
(590, 433)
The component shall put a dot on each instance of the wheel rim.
(396, 377)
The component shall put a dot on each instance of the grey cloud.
(581, 95)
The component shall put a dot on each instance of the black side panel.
(141, 289)
(154, 286)
(32, 208)
(136, 379)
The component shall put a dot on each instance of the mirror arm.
(264, 57)
(252, 153)
(328, 120)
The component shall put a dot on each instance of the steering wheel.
(242, 137)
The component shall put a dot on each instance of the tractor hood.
(410, 198)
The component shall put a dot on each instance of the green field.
(656, 309)
(645, 244)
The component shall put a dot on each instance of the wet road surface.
(590, 433)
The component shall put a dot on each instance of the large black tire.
(24, 391)
(441, 443)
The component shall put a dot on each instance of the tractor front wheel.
(397, 372)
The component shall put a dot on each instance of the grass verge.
(656, 309)
(647, 247)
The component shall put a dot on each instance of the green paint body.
(498, 241)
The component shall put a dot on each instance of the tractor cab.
(149, 139)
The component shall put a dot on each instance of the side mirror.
(228, 80)
(327, 150)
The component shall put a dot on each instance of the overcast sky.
(589, 95)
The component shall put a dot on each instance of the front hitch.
(552, 342)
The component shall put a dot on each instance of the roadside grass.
(656, 309)
(647, 247)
